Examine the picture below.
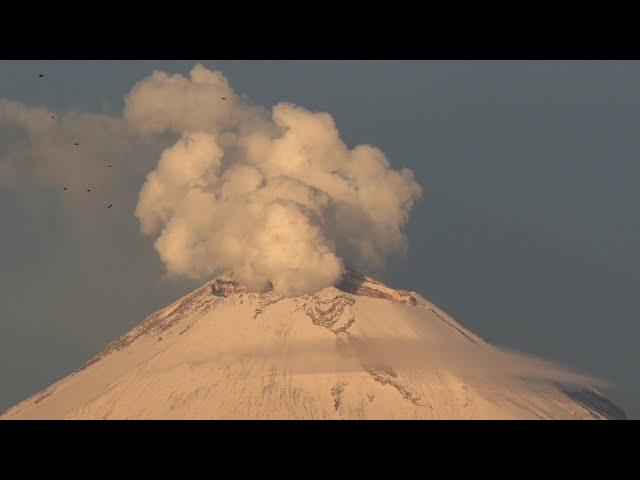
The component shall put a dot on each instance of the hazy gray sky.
(527, 232)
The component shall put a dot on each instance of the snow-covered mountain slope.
(360, 350)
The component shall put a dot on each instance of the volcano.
(358, 350)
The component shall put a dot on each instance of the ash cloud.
(38, 147)
(274, 195)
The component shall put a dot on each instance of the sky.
(526, 231)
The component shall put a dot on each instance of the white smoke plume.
(275, 196)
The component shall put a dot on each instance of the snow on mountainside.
(355, 351)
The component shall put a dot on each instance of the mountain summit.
(358, 350)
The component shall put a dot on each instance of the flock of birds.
(77, 144)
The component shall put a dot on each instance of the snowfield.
(361, 350)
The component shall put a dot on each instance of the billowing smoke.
(275, 196)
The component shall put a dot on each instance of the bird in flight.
(41, 75)
(76, 144)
